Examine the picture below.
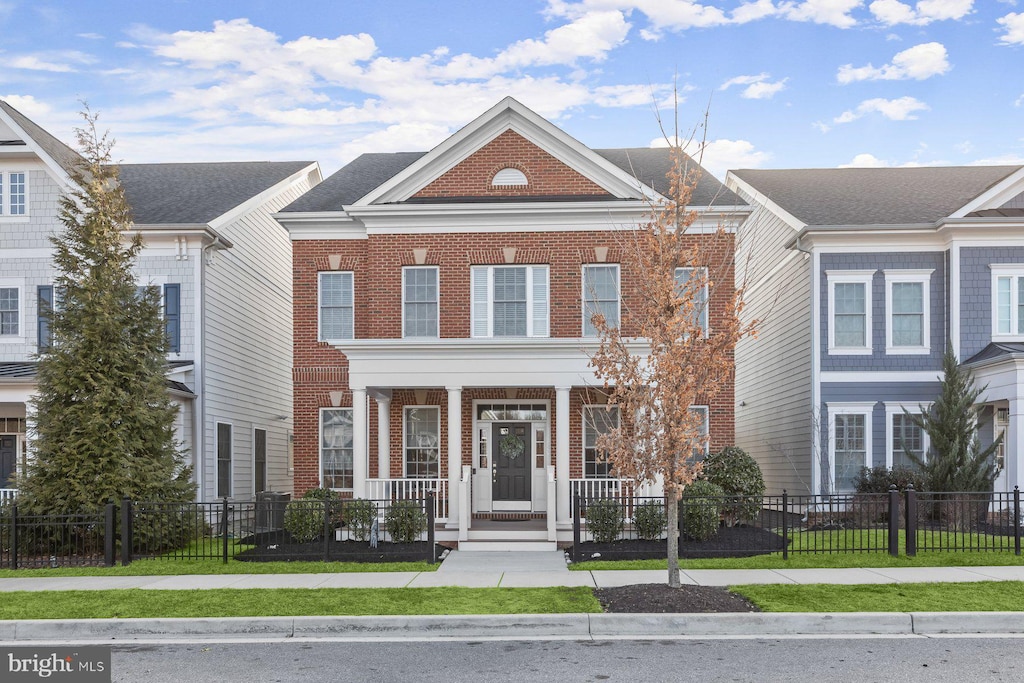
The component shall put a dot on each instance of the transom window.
(600, 296)
(849, 443)
(419, 301)
(336, 448)
(849, 311)
(1008, 301)
(907, 311)
(337, 306)
(597, 420)
(422, 439)
(509, 301)
(693, 282)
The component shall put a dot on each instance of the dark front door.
(512, 473)
(7, 453)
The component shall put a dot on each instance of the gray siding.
(773, 370)
(1015, 203)
(43, 197)
(879, 360)
(976, 293)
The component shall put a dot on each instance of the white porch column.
(1014, 447)
(383, 437)
(454, 453)
(360, 456)
(563, 512)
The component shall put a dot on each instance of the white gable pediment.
(1007, 193)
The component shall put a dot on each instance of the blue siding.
(879, 262)
(976, 293)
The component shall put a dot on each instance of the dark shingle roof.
(369, 171)
(874, 196)
(66, 157)
(996, 350)
(198, 193)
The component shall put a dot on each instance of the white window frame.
(437, 301)
(924, 278)
(618, 294)
(707, 426)
(405, 442)
(1015, 272)
(588, 410)
(864, 277)
(893, 409)
(531, 271)
(705, 314)
(346, 334)
(5, 197)
(231, 458)
(320, 446)
(865, 408)
(18, 284)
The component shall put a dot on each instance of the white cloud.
(831, 12)
(901, 109)
(919, 62)
(27, 105)
(1019, 101)
(1013, 23)
(90, 36)
(965, 147)
(718, 156)
(1009, 159)
(893, 12)
(758, 87)
(866, 160)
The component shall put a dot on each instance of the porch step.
(507, 546)
(507, 535)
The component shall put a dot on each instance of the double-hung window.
(422, 442)
(509, 301)
(600, 296)
(597, 420)
(224, 455)
(849, 442)
(849, 311)
(336, 449)
(44, 309)
(419, 301)
(337, 306)
(10, 309)
(13, 194)
(903, 436)
(1008, 302)
(907, 311)
(693, 288)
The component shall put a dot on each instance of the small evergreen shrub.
(879, 479)
(358, 516)
(405, 521)
(739, 476)
(604, 519)
(649, 520)
(304, 518)
(700, 510)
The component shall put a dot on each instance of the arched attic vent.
(509, 177)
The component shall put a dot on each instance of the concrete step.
(506, 546)
(510, 535)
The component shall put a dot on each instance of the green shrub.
(738, 475)
(358, 516)
(304, 518)
(605, 519)
(649, 520)
(879, 479)
(405, 521)
(700, 510)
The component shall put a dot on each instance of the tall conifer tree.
(104, 422)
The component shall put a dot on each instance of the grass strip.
(987, 596)
(294, 602)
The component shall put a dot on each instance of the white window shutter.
(539, 311)
(480, 322)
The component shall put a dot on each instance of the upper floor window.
(45, 304)
(337, 306)
(907, 311)
(849, 311)
(422, 439)
(10, 309)
(419, 302)
(597, 420)
(170, 305)
(600, 295)
(509, 301)
(13, 193)
(693, 285)
(1008, 300)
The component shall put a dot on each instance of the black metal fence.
(735, 526)
(300, 530)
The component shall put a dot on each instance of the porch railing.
(587, 489)
(411, 489)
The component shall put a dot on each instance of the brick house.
(441, 320)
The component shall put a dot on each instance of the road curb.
(524, 626)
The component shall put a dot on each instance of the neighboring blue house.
(860, 277)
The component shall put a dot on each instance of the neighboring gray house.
(224, 267)
(861, 276)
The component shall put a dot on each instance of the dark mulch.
(737, 541)
(336, 551)
(659, 598)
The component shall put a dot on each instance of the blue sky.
(786, 83)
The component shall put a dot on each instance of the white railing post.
(552, 493)
(464, 502)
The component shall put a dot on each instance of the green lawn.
(135, 603)
(170, 567)
(989, 596)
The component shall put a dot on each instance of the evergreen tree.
(956, 461)
(104, 422)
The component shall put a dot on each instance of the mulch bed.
(659, 598)
(337, 551)
(737, 541)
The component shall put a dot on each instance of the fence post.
(576, 535)
(785, 524)
(14, 536)
(327, 529)
(1016, 520)
(430, 526)
(894, 521)
(109, 556)
(911, 513)
(224, 527)
(126, 532)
